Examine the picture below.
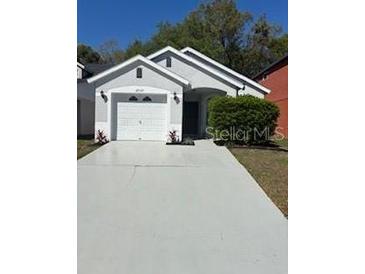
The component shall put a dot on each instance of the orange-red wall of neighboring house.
(277, 82)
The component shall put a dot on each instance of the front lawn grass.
(282, 143)
(84, 147)
(270, 170)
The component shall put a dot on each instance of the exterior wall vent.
(139, 72)
(168, 62)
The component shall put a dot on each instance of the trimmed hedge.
(242, 120)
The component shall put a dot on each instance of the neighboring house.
(144, 98)
(80, 70)
(86, 97)
(275, 77)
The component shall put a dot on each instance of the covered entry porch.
(195, 111)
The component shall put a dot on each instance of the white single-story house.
(144, 98)
(86, 97)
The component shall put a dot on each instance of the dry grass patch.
(84, 147)
(270, 170)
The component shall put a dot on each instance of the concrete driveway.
(149, 208)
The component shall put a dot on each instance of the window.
(139, 72)
(168, 62)
(147, 99)
(133, 98)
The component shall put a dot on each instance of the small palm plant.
(174, 138)
(101, 137)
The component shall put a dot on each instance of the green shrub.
(242, 120)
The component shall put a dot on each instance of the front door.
(191, 118)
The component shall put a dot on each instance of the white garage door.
(141, 121)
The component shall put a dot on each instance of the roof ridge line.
(131, 61)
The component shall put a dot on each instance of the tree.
(264, 46)
(87, 54)
(136, 47)
(279, 46)
(167, 34)
(215, 29)
(110, 52)
(221, 31)
(225, 24)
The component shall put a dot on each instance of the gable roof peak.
(205, 67)
(144, 60)
(224, 68)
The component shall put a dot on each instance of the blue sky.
(124, 21)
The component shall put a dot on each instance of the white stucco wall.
(195, 75)
(126, 81)
(249, 89)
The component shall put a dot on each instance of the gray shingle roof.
(281, 60)
(97, 68)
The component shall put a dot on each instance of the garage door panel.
(128, 122)
(126, 111)
(141, 121)
(157, 124)
(131, 134)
